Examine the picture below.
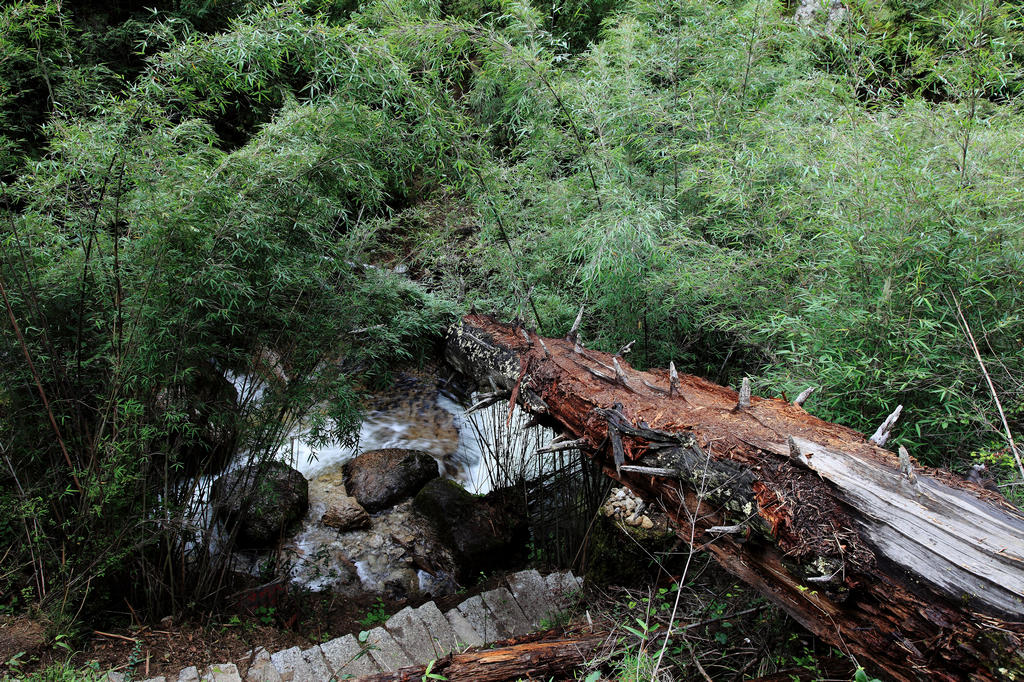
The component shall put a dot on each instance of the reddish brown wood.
(850, 568)
(532, 660)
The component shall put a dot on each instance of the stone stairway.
(410, 637)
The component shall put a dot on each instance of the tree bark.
(919, 572)
(531, 660)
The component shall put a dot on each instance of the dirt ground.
(164, 649)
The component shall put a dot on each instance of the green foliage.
(862, 676)
(376, 615)
(929, 48)
(35, 46)
(707, 189)
(428, 673)
(168, 266)
(61, 670)
(739, 193)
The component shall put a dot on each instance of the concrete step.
(314, 658)
(189, 674)
(532, 594)
(292, 666)
(387, 652)
(507, 612)
(260, 667)
(483, 619)
(346, 656)
(564, 588)
(465, 633)
(410, 637)
(441, 631)
(222, 672)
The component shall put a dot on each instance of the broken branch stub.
(926, 580)
(804, 395)
(574, 332)
(885, 429)
(744, 400)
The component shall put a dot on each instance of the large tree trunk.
(913, 569)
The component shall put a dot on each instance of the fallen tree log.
(531, 660)
(911, 569)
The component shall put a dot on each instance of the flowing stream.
(478, 451)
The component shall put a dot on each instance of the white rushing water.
(487, 448)
(465, 445)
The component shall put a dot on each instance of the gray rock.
(292, 665)
(261, 668)
(222, 672)
(345, 514)
(565, 588)
(314, 658)
(466, 635)
(346, 657)
(438, 627)
(483, 620)
(507, 612)
(189, 674)
(532, 594)
(411, 634)
(388, 653)
(156, 679)
(380, 478)
(830, 12)
(261, 500)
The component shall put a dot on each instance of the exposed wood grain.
(531, 660)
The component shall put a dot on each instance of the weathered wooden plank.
(936, 532)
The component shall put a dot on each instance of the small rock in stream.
(345, 514)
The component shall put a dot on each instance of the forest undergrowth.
(309, 191)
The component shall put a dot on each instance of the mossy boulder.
(259, 502)
(622, 555)
(483, 532)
